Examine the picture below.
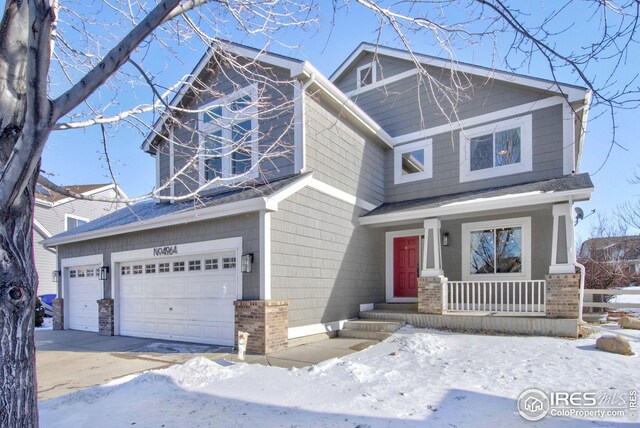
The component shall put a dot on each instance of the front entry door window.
(406, 264)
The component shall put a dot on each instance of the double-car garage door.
(184, 298)
(187, 299)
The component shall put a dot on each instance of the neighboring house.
(379, 199)
(623, 251)
(55, 213)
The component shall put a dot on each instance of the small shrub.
(39, 312)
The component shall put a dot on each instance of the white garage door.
(186, 299)
(84, 290)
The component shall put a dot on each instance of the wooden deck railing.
(516, 297)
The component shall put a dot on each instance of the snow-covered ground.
(628, 298)
(47, 324)
(416, 378)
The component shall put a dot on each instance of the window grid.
(125, 270)
(164, 267)
(228, 263)
(178, 266)
(211, 264)
(150, 268)
(72, 273)
(137, 269)
(194, 265)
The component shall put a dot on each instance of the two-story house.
(376, 198)
(55, 213)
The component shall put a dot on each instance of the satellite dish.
(579, 213)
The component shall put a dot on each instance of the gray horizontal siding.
(547, 162)
(323, 263)
(246, 226)
(45, 265)
(276, 135)
(340, 155)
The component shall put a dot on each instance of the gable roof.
(48, 195)
(578, 186)
(573, 92)
(301, 70)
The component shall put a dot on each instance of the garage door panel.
(84, 289)
(191, 305)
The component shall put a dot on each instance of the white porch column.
(431, 254)
(563, 255)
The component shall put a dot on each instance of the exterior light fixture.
(55, 276)
(104, 273)
(247, 262)
(445, 239)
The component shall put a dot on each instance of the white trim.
(388, 244)
(327, 189)
(299, 130)
(311, 329)
(526, 149)
(265, 255)
(374, 74)
(432, 224)
(568, 140)
(522, 222)
(189, 249)
(65, 264)
(287, 191)
(182, 217)
(87, 193)
(73, 216)
(43, 230)
(478, 120)
(383, 82)
(172, 165)
(565, 210)
(573, 93)
(427, 147)
(478, 205)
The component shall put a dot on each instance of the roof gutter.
(477, 205)
(308, 71)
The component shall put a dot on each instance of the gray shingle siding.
(341, 156)
(385, 67)
(244, 225)
(275, 124)
(323, 263)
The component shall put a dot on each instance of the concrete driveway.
(68, 361)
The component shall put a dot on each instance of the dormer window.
(229, 137)
(413, 162)
(496, 149)
(366, 74)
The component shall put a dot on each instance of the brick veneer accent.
(563, 296)
(430, 298)
(57, 308)
(267, 323)
(105, 317)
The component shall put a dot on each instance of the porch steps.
(369, 329)
(400, 307)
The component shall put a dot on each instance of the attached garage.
(84, 289)
(187, 296)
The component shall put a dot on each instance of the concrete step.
(381, 315)
(400, 307)
(363, 334)
(373, 325)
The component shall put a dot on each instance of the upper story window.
(366, 74)
(497, 249)
(229, 137)
(496, 149)
(71, 221)
(413, 162)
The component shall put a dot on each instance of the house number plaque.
(165, 251)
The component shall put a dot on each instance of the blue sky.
(75, 157)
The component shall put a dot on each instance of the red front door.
(406, 257)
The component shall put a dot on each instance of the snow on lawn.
(47, 324)
(417, 377)
(628, 298)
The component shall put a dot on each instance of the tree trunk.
(18, 286)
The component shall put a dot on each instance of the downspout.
(303, 128)
(580, 306)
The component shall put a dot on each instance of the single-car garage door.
(84, 290)
(186, 299)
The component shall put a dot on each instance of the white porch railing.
(612, 292)
(519, 297)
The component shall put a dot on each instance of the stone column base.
(58, 314)
(431, 295)
(563, 296)
(105, 317)
(266, 321)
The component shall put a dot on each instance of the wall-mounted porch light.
(246, 262)
(55, 276)
(445, 239)
(104, 273)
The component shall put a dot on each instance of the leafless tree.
(66, 66)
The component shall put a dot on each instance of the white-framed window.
(137, 269)
(164, 267)
(125, 270)
(497, 149)
(195, 265)
(211, 264)
(72, 273)
(71, 221)
(498, 249)
(178, 266)
(150, 268)
(228, 263)
(366, 74)
(413, 161)
(229, 137)
(90, 272)
(80, 273)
